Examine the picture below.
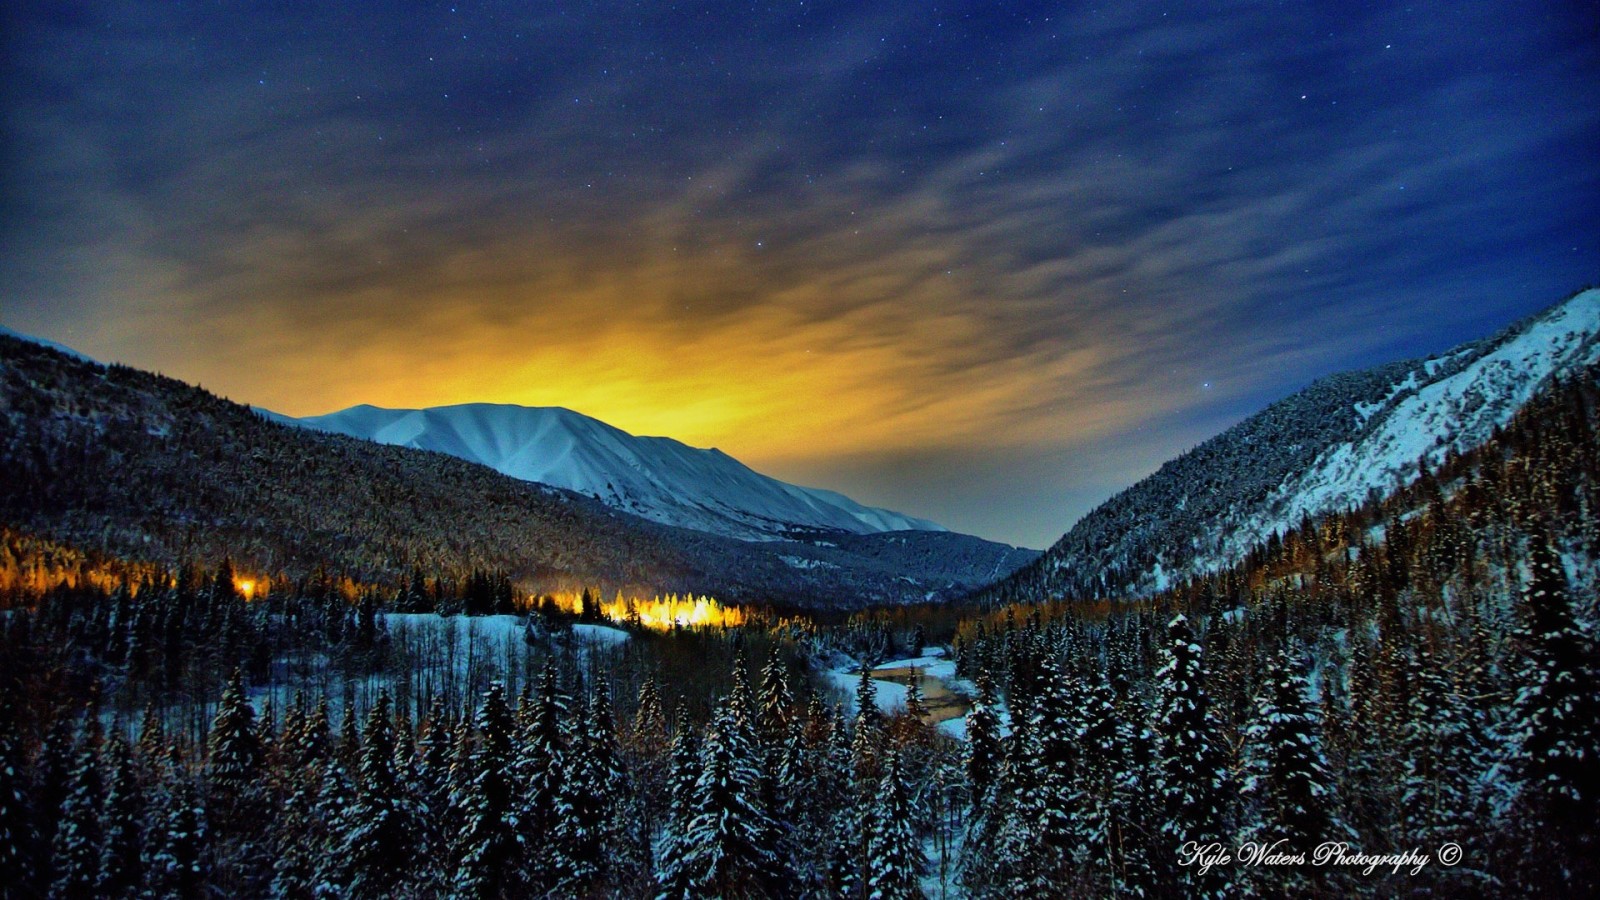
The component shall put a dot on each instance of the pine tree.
(348, 749)
(984, 752)
(300, 836)
(120, 873)
(544, 808)
(78, 837)
(724, 852)
(489, 849)
(777, 700)
(234, 758)
(17, 832)
(1288, 778)
(177, 866)
(894, 854)
(1557, 720)
(1444, 757)
(1192, 804)
(379, 829)
(587, 818)
(649, 720)
(433, 782)
(671, 850)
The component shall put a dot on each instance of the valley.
(208, 613)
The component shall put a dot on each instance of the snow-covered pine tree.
(984, 751)
(648, 753)
(233, 761)
(777, 700)
(463, 771)
(846, 848)
(1288, 779)
(151, 747)
(1192, 807)
(670, 851)
(594, 831)
(866, 747)
(17, 833)
(433, 782)
(348, 748)
(894, 853)
(489, 850)
(121, 873)
(915, 708)
(725, 853)
(177, 866)
(1440, 762)
(1557, 722)
(378, 833)
(300, 835)
(1002, 838)
(78, 839)
(544, 808)
(649, 734)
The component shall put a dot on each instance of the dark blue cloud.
(1071, 217)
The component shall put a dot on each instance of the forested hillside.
(1322, 450)
(1408, 689)
(1418, 673)
(141, 467)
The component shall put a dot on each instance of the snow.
(800, 562)
(469, 632)
(44, 343)
(488, 633)
(931, 666)
(601, 634)
(888, 695)
(1457, 406)
(954, 728)
(657, 478)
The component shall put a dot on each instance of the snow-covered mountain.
(656, 478)
(43, 343)
(1325, 449)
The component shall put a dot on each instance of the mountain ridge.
(1320, 450)
(137, 466)
(658, 478)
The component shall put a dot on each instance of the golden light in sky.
(836, 255)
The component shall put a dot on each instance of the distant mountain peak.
(657, 478)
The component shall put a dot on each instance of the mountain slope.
(115, 461)
(657, 478)
(1321, 450)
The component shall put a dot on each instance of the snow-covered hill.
(656, 478)
(1452, 403)
(1322, 450)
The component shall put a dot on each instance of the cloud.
(837, 240)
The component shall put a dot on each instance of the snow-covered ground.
(481, 634)
(890, 692)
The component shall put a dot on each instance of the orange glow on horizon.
(713, 351)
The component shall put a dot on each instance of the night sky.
(985, 267)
